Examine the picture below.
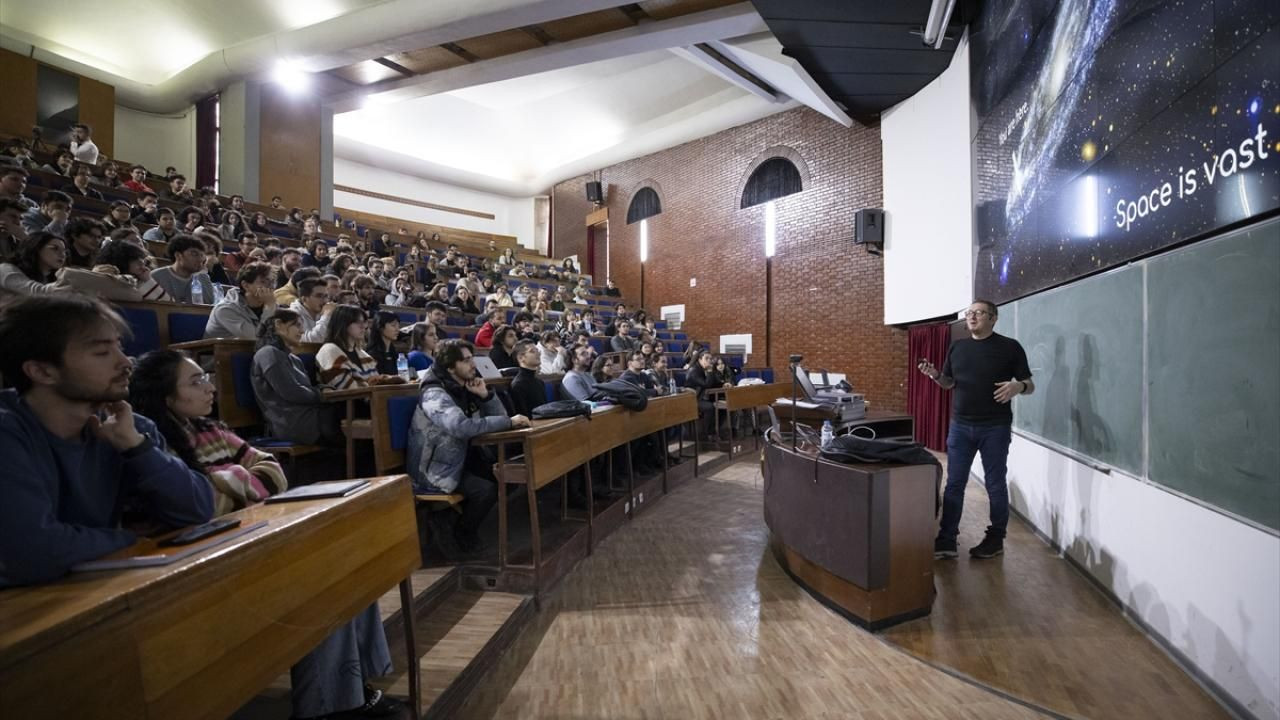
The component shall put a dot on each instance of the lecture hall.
(679, 359)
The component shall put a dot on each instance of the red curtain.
(929, 404)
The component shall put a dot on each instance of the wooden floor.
(1029, 624)
(684, 614)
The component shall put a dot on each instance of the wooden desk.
(745, 397)
(200, 637)
(551, 448)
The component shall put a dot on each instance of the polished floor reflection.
(684, 614)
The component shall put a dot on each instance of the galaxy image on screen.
(1108, 129)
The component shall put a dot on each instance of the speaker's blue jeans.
(963, 442)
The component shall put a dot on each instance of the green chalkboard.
(1084, 346)
(1213, 371)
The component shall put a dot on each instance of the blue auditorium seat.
(309, 364)
(144, 330)
(552, 389)
(241, 366)
(185, 327)
(407, 318)
(399, 418)
(598, 344)
(767, 375)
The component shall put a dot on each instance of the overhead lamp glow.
(290, 76)
(770, 229)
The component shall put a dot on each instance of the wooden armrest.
(446, 498)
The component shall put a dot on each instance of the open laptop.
(486, 368)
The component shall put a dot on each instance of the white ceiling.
(146, 41)
(519, 136)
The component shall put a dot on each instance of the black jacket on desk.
(527, 392)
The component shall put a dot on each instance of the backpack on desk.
(850, 450)
(562, 409)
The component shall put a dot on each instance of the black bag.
(562, 409)
(850, 449)
(622, 393)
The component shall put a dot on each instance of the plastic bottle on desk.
(402, 367)
(197, 291)
(671, 383)
(218, 294)
(827, 433)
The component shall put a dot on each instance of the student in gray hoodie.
(242, 309)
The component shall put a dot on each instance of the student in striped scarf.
(342, 361)
(130, 259)
(176, 392)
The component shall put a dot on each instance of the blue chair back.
(309, 364)
(767, 375)
(241, 366)
(598, 344)
(184, 327)
(407, 318)
(551, 390)
(144, 329)
(400, 417)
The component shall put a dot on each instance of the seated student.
(288, 292)
(342, 362)
(242, 308)
(317, 255)
(84, 240)
(187, 268)
(702, 377)
(74, 451)
(213, 257)
(137, 181)
(33, 268)
(314, 307)
(502, 297)
(292, 407)
(463, 301)
(728, 373)
(438, 316)
(484, 336)
(523, 324)
(119, 216)
(401, 292)
(578, 384)
(557, 303)
(504, 344)
(178, 393)
(661, 374)
(621, 341)
(62, 165)
(178, 190)
(366, 294)
(527, 391)
(552, 360)
(423, 343)
(455, 407)
(50, 216)
(636, 374)
(80, 187)
(610, 289)
(382, 343)
(489, 307)
(174, 390)
(129, 259)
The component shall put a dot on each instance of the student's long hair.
(267, 335)
(339, 320)
(27, 256)
(154, 380)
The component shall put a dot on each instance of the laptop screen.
(806, 387)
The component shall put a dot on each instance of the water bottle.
(218, 293)
(197, 291)
(402, 367)
(671, 384)
(827, 433)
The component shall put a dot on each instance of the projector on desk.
(849, 406)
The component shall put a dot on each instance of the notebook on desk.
(147, 553)
(316, 491)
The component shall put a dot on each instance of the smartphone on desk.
(200, 532)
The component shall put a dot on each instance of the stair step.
(457, 642)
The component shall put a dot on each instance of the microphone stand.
(795, 384)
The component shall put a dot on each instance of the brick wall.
(827, 293)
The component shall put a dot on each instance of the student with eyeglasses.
(987, 370)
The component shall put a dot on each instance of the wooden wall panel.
(289, 164)
(18, 111)
(98, 111)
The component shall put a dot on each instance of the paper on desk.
(799, 403)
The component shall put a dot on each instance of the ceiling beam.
(392, 64)
(705, 60)
(725, 22)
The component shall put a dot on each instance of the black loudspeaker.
(868, 227)
(595, 192)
